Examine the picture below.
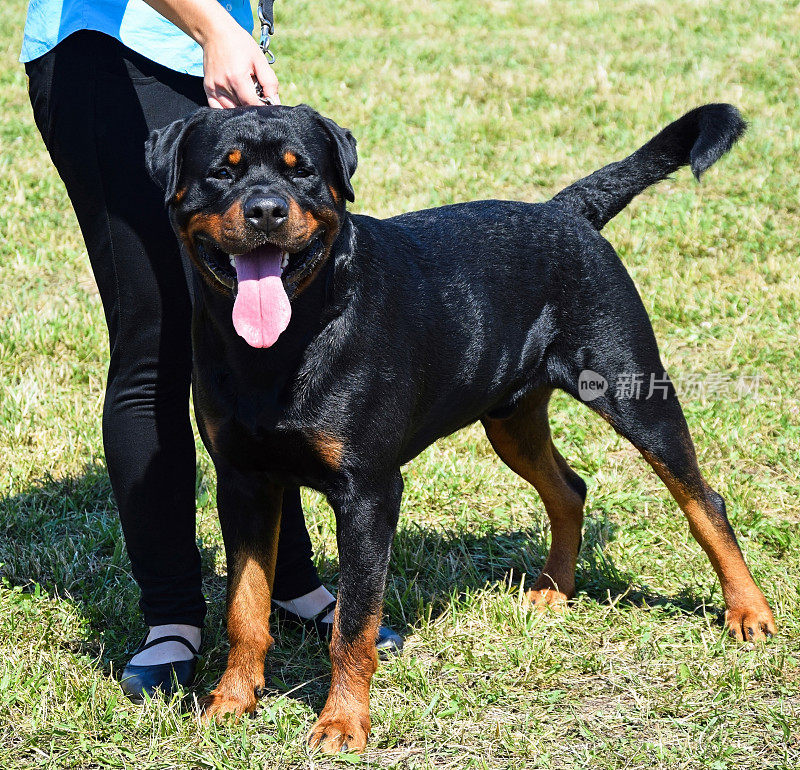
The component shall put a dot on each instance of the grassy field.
(452, 101)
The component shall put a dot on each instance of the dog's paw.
(341, 731)
(751, 623)
(546, 599)
(222, 703)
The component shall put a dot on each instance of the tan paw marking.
(546, 598)
(222, 703)
(750, 624)
(344, 732)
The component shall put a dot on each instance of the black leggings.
(95, 103)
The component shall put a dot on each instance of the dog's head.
(257, 196)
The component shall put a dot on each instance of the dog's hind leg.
(524, 443)
(650, 417)
(250, 512)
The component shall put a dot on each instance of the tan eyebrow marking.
(290, 159)
(234, 157)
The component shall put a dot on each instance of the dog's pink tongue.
(262, 310)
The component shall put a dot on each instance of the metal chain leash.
(265, 18)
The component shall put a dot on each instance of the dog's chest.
(253, 430)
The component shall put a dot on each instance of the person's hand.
(233, 63)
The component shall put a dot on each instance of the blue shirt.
(132, 22)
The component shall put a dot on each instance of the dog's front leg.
(249, 511)
(366, 519)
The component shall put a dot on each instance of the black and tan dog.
(332, 348)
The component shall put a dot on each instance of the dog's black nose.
(266, 212)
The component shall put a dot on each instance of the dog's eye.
(220, 173)
(302, 172)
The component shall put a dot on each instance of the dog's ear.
(344, 151)
(346, 156)
(163, 150)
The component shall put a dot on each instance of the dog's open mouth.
(262, 281)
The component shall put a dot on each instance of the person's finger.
(267, 78)
(219, 98)
(227, 102)
(245, 90)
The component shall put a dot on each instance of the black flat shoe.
(388, 642)
(138, 681)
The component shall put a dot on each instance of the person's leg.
(95, 118)
(297, 585)
(295, 574)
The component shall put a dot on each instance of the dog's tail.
(700, 138)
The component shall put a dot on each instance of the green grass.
(452, 101)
